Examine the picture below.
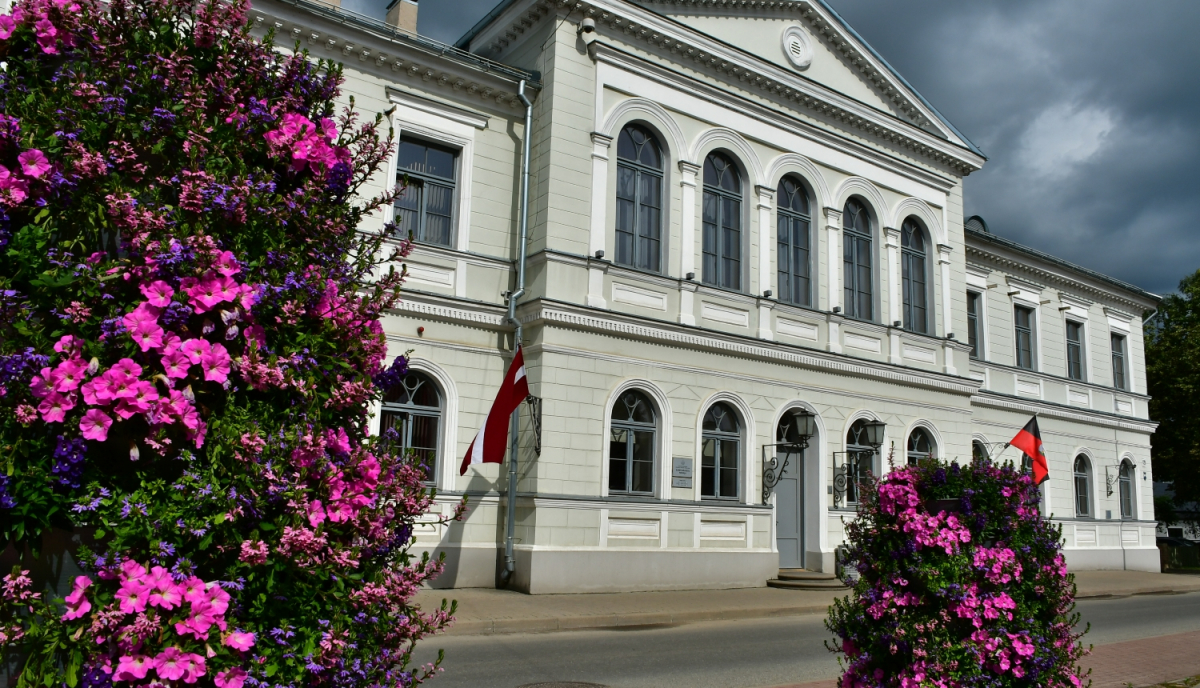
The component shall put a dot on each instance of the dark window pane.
(643, 462)
(618, 461)
(708, 468)
(974, 332)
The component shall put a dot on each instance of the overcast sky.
(1088, 110)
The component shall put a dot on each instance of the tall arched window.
(794, 238)
(631, 445)
(857, 272)
(411, 417)
(1126, 483)
(979, 451)
(860, 459)
(639, 199)
(720, 453)
(722, 223)
(914, 271)
(920, 446)
(1083, 487)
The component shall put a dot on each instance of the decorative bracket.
(535, 415)
(772, 470)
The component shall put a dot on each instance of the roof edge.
(1040, 255)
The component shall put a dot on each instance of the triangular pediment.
(830, 53)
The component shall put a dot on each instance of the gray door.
(789, 513)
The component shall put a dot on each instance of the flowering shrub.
(189, 345)
(972, 591)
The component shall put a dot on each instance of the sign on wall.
(681, 472)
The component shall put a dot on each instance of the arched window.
(914, 272)
(794, 238)
(860, 459)
(1083, 487)
(413, 411)
(722, 222)
(720, 453)
(979, 451)
(631, 445)
(1126, 483)
(920, 446)
(639, 199)
(857, 272)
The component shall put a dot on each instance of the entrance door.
(789, 512)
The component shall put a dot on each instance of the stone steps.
(800, 579)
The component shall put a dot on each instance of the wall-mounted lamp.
(897, 323)
(837, 309)
(600, 253)
(690, 276)
(767, 294)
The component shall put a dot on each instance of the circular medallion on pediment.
(797, 47)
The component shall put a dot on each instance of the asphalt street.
(732, 654)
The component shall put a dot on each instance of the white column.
(895, 292)
(766, 239)
(833, 228)
(687, 226)
(947, 311)
(599, 226)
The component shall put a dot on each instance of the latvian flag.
(1029, 440)
(491, 442)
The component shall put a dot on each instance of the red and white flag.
(1029, 440)
(492, 441)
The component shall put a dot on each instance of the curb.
(552, 624)
(601, 621)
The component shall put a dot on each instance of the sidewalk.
(484, 611)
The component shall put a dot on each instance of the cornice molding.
(1020, 270)
(578, 317)
(766, 79)
(992, 400)
(428, 305)
(408, 64)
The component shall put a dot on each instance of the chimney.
(402, 14)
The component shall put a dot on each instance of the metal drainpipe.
(510, 563)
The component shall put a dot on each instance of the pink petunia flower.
(158, 293)
(68, 375)
(54, 407)
(34, 162)
(133, 571)
(171, 343)
(68, 344)
(218, 600)
(216, 364)
(133, 597)
(147, 335)
(231, 678)
(195, 591)
(239, 641)
(195, 667)
(195, 349)
(77, 602)
(133, 668)
(145, 312)
(7, 25)
(164, 591)
(126, 366)
(94, 425)
(170, 664)
(227, 265)
(40, 386)
(176, 365)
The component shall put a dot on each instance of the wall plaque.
(681, 472)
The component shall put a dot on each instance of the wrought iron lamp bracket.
(772, 470)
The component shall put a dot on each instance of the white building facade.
(737, 211)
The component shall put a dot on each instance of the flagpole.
(510, 563)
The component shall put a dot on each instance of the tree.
(189, 346)
(1173, 380)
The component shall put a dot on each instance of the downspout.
(510, 563)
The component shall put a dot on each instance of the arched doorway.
(789, 501)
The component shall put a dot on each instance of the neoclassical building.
(741, 221)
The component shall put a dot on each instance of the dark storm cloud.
(1089, 112)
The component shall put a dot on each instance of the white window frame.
(449, 126)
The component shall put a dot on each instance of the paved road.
(733, 654)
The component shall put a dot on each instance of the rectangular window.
(1023, 324)
(974, 324)
(1118, 362)
(1074, 350)
(426, 206)
(417, 432)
